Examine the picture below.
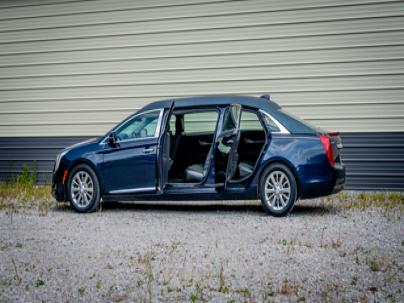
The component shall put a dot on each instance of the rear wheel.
(278, 190)
(83, 189)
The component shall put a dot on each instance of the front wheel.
(278, 190)
(83, 189)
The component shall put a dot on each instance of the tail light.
(325, 140)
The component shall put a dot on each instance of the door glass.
(232, 118)
(200, 122)
(141, 126)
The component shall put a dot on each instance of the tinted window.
(231, 119)
(250, 121)
(141, 126)
(271, 124)
(200, 122)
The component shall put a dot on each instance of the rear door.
(227, 140)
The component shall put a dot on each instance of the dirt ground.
(231, 252)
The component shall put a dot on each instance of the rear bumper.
(321, 188)
(339, 178)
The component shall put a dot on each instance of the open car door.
(164, 162)
(227, 140)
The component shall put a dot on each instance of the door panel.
(130, 166)
(226, 156)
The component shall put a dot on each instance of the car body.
(162, 153)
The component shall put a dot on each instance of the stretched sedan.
(203, 148)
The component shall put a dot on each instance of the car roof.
(260, 103)
(264, 103)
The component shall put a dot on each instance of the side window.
(250, 121)
(141, 126)
(200, 122)
(271, 124)
(231, 118)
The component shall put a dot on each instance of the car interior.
(252, 141)
(189, 140)
(191, 136)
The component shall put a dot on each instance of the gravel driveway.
(204, 253)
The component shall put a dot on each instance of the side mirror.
(112, 139)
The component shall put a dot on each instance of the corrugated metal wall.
(75, 68)
(373, 161)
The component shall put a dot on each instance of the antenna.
(268, 97)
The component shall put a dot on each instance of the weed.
(354, 280)
(81, 290)
(222, 284)
(246, 292)
(288, 289)
(19, 245)
(193, 298)
(301, 299)
(39, 283)
(374, 265)
(98, 284)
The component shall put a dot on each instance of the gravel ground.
(202, 253)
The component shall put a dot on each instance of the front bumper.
(58, 188)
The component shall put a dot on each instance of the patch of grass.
(23, 192)
(98, 284)
(364, 200)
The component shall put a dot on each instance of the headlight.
(58, 158)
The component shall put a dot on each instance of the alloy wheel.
(82, 189)
(277, 190)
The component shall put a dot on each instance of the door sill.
(132, 190)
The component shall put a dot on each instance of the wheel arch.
(90, 164)
(285, 162)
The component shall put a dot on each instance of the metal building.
(71, 69)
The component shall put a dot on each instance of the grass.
(22, 192)
(364, 200)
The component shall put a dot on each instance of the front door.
(130, 165)
(226, 156)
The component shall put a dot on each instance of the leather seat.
(245, 169)
(194, 173)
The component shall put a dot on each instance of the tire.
(278, 190)
(83, 189)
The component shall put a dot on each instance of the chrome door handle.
(148, 150)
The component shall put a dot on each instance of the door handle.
(148, 150)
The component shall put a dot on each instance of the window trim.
(283, 129)
(156, 132)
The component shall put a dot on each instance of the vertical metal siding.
(374, 161)
(70, 69)
(75, 68)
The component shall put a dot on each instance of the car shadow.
(300, 209)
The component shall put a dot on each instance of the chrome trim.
(283, 130)
(156, 133)
(132, 190)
